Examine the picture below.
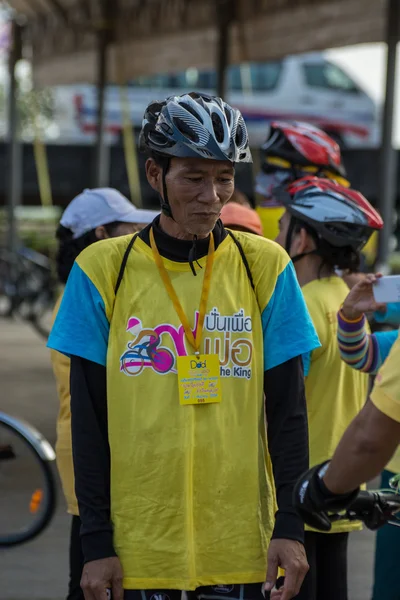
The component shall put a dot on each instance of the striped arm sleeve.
(357, 348)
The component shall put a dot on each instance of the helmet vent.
(218, 128)
(186, 130)
(228, 115)
(191, 110)
(240, 136)
(157, 138)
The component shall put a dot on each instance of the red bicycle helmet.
(302, 144)
(339, 215)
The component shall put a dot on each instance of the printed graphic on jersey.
(149, 347)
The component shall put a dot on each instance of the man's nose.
(209, 193)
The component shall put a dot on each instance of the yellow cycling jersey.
(192, 491)
(335, 392)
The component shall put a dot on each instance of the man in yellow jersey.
(366, 447)
(176, 337)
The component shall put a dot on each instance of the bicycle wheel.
(28, 495)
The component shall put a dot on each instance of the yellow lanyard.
(194, 341)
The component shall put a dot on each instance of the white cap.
(101, 206)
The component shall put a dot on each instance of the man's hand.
(313, 500)
(361, 298)
(100, 575)
(289, 555)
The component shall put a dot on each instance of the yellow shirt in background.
(386, 392)
(270, 216)
(335, 392)
(61, 369)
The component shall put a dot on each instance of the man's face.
(197, 190)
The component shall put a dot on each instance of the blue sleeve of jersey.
(392, 314)
(287, 327)
(306, 363)
(81, 327)
(385, 340)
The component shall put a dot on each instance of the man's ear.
(154, 175)
(306, 242)
(101, 233)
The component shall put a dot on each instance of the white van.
(304, 87)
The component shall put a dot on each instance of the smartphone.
(387, 289)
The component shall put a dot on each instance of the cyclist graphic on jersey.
(144, 351)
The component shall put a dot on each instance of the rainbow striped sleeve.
(357, 348)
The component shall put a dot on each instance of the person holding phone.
(366, 447)
(324, 227)
(367, 352)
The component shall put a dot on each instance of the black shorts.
(245, 591)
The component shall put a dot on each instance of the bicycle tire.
(43, 452)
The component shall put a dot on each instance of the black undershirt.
(285, 411)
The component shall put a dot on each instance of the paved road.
(38, 570)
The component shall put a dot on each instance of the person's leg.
(309, 587)
(331, 558)
(75, 561)
(386, 586)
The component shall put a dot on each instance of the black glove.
(313, 500)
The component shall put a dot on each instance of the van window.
(254, 77)
(265, 76)
(249, 77)
(329, 76)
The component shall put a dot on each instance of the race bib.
(198, 379)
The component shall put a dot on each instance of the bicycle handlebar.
(373, 508)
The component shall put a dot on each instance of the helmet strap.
(166, 210)
(165, 205)
(302, 255)
(288, 243)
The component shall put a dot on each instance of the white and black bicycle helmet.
(341, 216)
(193, 125)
